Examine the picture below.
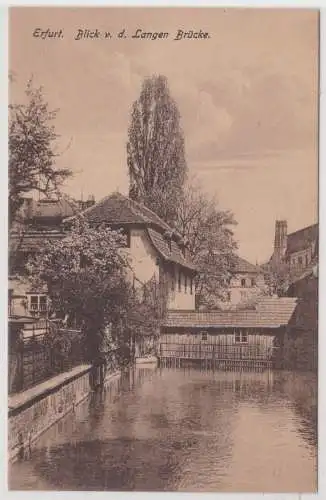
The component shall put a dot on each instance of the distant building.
(246, 284)
(38, 221)
(299, 252)
(299, 249)
(155, 249)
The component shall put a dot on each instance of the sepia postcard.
(163, 249)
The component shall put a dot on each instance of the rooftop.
(173, 253)
(243, 266)
(301, 239)
(119, 209)
(48, 208)
(270, 312)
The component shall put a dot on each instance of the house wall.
(145, 262)
(143, 257)
(300, 260)
(183, 299)
(19, 299)
(241, 293)
(218, 343)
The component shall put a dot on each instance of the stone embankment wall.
(33, 411)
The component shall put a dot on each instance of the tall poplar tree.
(155, 149)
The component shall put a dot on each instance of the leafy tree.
(87, 281)
(277, 277)
(207, 231)
(155, 149)
(32, 155)
(88, 278)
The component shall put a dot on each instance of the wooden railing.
(232, 352)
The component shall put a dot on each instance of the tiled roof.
(243, 266)
(33, 240)
(118, 209)
(162, 246)
(50, 209)
(269, 313)
(300, 240)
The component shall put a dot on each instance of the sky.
(247, 95)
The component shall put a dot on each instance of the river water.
(183, 430)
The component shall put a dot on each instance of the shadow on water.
(182, 430)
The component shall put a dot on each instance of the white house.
(246, 282)
(154, 248)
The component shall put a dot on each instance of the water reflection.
(183, 430)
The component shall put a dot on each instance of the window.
(126, 234)
(186, 283)
(179, 281)
(300, 261)
(243, 282)
(253, 282)
(37, 304)
(307, 260)
(191, 285)
(240, 337)
(204, 335)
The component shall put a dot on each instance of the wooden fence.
(214, 354)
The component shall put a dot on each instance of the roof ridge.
(143, 206)
(89, 209)
(134, 206)
(304, 228)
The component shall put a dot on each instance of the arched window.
(243, 282)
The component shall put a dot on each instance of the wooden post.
(33, 355)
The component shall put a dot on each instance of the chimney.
(280, 242)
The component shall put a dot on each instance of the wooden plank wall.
(218, 345)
